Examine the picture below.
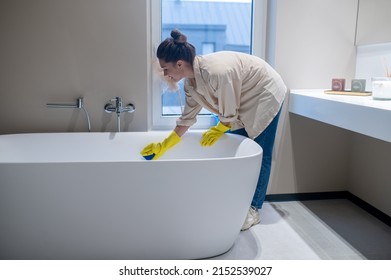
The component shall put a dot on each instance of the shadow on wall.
(320, 155)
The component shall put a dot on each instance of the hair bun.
(178, 36)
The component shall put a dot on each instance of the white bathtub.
(92, 196)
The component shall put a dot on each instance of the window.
(210, 25)
(208, 48)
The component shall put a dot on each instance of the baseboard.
(332, 195)
(307, 196)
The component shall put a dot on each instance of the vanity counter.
(361, 114)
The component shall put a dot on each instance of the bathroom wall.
(56, 51)
(369, 173)
(373, 60)
(373, 22)
(314, 43)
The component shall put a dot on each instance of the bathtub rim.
(140, 160)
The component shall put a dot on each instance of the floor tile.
(313, 230)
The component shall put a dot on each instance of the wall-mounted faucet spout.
(79, 105)
(118, 108)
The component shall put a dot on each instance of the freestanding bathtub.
(93, 196)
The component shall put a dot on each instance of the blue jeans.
(266, 141)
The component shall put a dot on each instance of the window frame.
(160, 122)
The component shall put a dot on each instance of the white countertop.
(361, 114)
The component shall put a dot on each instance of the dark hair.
(176, 48)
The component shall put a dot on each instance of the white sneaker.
(252, 218)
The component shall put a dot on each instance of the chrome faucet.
(118, 108)
(79, 105)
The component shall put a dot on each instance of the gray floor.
(311, 230)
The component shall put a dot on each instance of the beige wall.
(374, 21)
(315, 41)
(370, 169)
(56, 51)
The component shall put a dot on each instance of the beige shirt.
(242, 89)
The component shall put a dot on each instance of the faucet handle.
(130, 108)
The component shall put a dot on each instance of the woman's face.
(172, 70)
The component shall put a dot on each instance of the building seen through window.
(210, 26)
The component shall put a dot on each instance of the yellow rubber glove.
(156, 150)
(213, 134)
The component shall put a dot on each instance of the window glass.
(208, 48)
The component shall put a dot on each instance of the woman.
(245, 92)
